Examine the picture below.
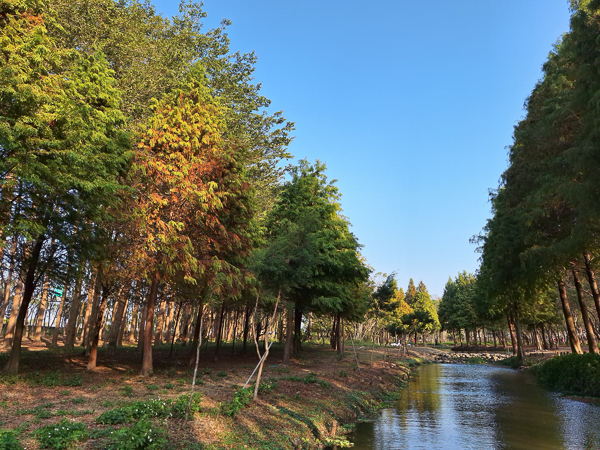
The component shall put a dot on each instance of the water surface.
(452, 406)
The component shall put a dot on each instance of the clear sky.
(410, 104)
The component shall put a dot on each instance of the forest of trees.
(538, 251)
(145, 197)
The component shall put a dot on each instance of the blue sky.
(410, 104)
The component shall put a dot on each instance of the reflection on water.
(480, 407)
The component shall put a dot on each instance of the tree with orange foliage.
(192, 203)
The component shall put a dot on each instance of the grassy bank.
(571, 374)
(310, 403)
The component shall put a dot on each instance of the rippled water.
(451, 406)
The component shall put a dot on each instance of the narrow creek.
(452, 406)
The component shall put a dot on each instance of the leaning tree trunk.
(12, 366)
(14, 312)
(571, 331)
(592, 281)
(592, 346)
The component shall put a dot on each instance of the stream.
(456, 406)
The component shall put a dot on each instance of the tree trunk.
(297, 331)
(289, 336)
(9, 280)
(571, 331)
(197, 330)
(96, 317)
(592, 281)
(544, 340)
(147, 347)
(37, 337)
(124, 324)
(88, 310)
(246, 328)
(71, 329)
(160, 322)
(169, 326)
(59, 314)
(14, 312)
(12, 366)
(511, 328)
(520, 349)
(117, 320)
(219, 332)
(185, 324)
(592, 346)
(142, 324)
(134, 320)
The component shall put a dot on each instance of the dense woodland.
(145, 197)
(539, 250)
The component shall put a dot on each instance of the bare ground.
(295, 414)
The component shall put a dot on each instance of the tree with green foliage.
(64, 150)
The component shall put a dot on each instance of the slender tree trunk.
(544, 341)
(592, 346)
(142, 325)
(197, 329)
(169, 326)
(37, 337)
(59, 314)
(513, 337)
(71, 329)
(134, 320)
(117, 319)
(175, 331)
(571, 331)
(96, 317)
(12, 366)
(123, 323)
(219, 332)
(185, 324)
(88, 310)
(520, 349)
(289, 336)
(147, 348)
(297, 331)
(246, 328)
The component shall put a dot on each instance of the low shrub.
(149, 409)
(63, 435)
(141, 435)
(241, 398)
(8, 441)
(571, 374)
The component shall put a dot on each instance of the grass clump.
(571, 374)
(62, 435)
(475, 360)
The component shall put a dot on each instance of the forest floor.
(310, 403)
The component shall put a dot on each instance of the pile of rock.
(461, 358)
